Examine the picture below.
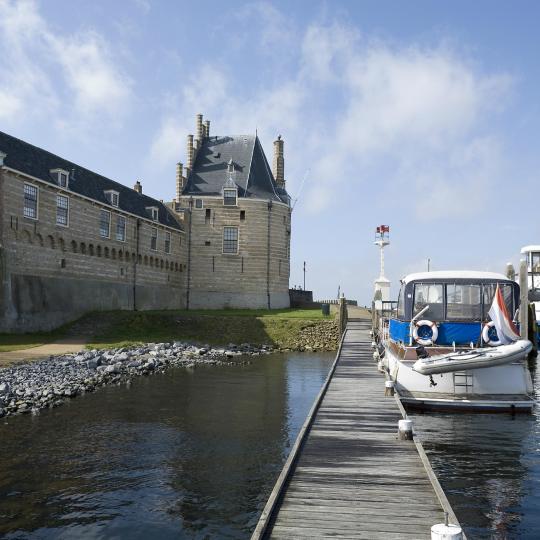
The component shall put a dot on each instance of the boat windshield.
(463, 302)
(429, 294)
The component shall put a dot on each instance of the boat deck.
(351, 477)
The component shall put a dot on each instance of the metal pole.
(523, 300)
(304, 275)
(428, 264)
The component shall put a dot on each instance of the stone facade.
(52, 273)
(257, 276)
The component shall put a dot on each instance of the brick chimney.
(179, 181)
(207, 128)
(189, 165)
(200, 131)
(138, 187)
(278, 166)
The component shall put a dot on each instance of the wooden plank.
(350, 476)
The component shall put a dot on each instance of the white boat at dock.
(439, 346)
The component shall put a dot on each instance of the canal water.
(489, 468)
(191, 453)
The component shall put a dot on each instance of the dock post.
(523, 300)
(405, 431)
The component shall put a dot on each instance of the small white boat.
(473, 359)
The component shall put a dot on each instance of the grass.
(213, 327)
(17, 342)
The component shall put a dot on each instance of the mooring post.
(342, 314)
(523, 299)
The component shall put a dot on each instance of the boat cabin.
(454, 304)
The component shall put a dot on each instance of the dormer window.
(229, 196)
(113, 197)
(61, 177)
(154, 212)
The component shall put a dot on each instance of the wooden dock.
(348, 475)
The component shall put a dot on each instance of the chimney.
(189, 152)
(278, 166)
(200, 129)
(138, 187)
(179, 181)
(207, 128)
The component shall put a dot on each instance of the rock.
(5, 389)
(92, 363)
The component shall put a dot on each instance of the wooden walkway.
(348, 475)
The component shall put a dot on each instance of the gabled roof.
(29, 159)
(252, 174)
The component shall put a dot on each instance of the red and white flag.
(506, 329)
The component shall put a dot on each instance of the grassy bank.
(276, 327)
(285, 328)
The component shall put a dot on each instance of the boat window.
(400, 305)
(463, 302)
(489, 293)
(535, 262)
(429, 294)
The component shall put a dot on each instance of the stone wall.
(254, 277)
(52, 274)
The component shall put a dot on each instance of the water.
(185, 454)
(489, 468)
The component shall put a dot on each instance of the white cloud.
(38, 63)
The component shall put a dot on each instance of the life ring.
(425, 340)
(486, 337)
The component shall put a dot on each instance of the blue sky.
(420, 115)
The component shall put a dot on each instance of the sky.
(423, 116)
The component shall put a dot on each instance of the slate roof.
(30, 159)
(252, 175)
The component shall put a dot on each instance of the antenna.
(300, 189)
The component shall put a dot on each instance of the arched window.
(83, 248)
(106, 252)
(98, 251)
(50, 241)
(113, 253)
(39, 239)
(146, 260)
(74, 246)
(120, 255)
(91, 249)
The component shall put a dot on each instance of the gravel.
(47, 383)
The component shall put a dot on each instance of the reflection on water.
(186, 454)
(489, 467)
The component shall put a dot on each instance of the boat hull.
(498, 388)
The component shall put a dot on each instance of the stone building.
(240, 222)
(73, 241)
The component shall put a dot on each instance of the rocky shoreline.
(47, 383)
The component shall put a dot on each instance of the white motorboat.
(442, 351)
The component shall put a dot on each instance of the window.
(167, 242)
(104, 224)
(463, 302)
(489, 293)
(121, 228)
(62, 210)
(153, 239)
(113, 197)
(230, 240)
(207, 216)
(198, 203)
(229, 197)
(154, 212)
(242, 215)
(30, 201)
(60, 176)
(429, 294)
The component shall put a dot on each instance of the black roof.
(34, 161)
(252, 174)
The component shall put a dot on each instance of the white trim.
(58, 171)
(112, 192)
(37, 202)
(67, 198)
(94, 201)
(195, 203)
(110, 214)
(243, 199)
